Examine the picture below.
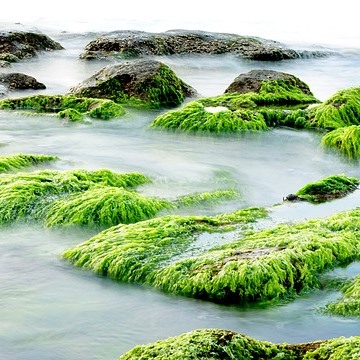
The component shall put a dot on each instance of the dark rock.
(292, 197)
(252, 81)
(138, 82)
(20, 45)
(138, 43)
(20, 81)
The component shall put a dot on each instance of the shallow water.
(49, 310)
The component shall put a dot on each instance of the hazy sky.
(283, 17)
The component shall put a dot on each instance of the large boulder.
(137, 43)
(16, 45)
(253, 81)
(12, 81)
(139, 82)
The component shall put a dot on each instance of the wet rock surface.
(12, 81)
(139, 43)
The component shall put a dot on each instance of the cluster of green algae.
(218, 344)
(69, 107)
(278, 103)
(18, 161)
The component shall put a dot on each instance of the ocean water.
(48, 309)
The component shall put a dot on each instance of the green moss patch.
(19, 161)
(349, 304)
(66, 106)
(328, 188)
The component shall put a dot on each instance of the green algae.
(330, 187)
(19, 161)
(209, 344)
(345, 139)
(268, 265)
(336, 349)
(66, 106)
(349, 304)
(132, 253)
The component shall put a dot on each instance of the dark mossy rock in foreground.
(146, 83)
(267, 265)
(137, 43)
(345, 139)
(18, 161)
(219, 344)
(235, 112)
(349, 304)
(16, 45)
(13, 81)
(328, 188)
(70, 107)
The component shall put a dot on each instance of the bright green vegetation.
(237, 112)
(209, 344)
(18, 161)
(219, 344)
(336, 349)
(100, 198)
(264, 266)
(328, 188)
(66, 106)
(134, 252)
(345, 139)
(349, 304)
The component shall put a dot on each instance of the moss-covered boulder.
(219, 344)
(17, 45)
(345, 139)
(18, 161)
(137, 43)
(70, 107)
(328, 188)
(349, 303)
(12, 81)
(146, 83)
(275, 98)
(265, 266)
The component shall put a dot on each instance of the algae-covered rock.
(137, 43)
(274, 99)
(69, 107)
(265, 266)
(15, 45)
(147, 83)
(345, 139)
(209, 344)
(20, 81)
(328, 188)
(18, 161)
(219, 344)
(349, 304)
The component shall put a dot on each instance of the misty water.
(51, 310)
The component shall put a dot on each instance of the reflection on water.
(49, 310)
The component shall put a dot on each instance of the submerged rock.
(12, 81)
(219, 344)
(328, 188)
(17, 45)
(139, 82)
(136, 43)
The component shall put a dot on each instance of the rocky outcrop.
(13, 81)
(137, 43)
(17, 45)
(146, 83)
(252, 81)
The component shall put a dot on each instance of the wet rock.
(12, 81)
(16, 45)
(139, 82)
(253, 80)
(137, 43)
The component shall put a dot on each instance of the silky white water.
(50, 310)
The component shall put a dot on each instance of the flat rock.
(138, 43)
